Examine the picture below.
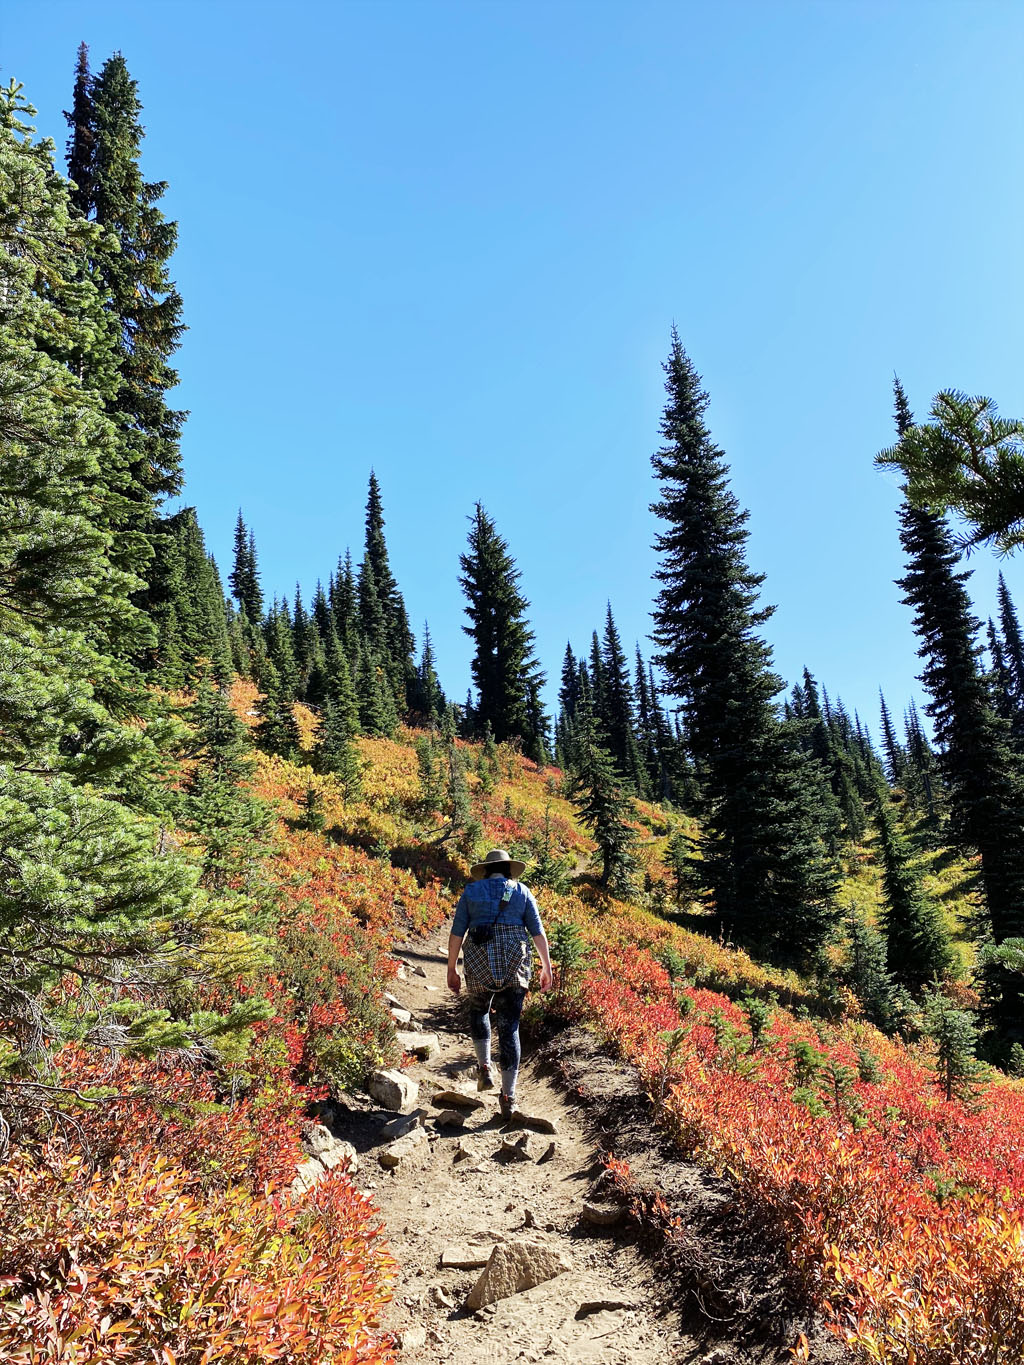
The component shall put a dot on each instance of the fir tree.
(85, 892)
(429, 699)
(132, 261)
(339, 688)
(277, 731)
(505, 672)
(603, 806)
(866, 971)
(394, 643)
(917, 945)
(764, 855)
(981, 769)
(335, 754)
(619, 719)
(895, 758)
(245, 575)
(186, 602)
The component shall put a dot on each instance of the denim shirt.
(480, 903)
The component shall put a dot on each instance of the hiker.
(496, 917)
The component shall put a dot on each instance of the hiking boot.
(510, 1111)
(485, 1077)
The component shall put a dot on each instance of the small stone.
(401, 974)
(413, 1338)
(601, 1215)
(450, 1118)
(465, 1258)
(307, 1176)
(602, 1306)
(441, 1299)
(512, 1151)
(455, 1099)
(341, 1151)
(529, 1221)
(431, 988)
(399, 1127)
(317, 1138)
(514, 1267)
(417, 970)
(538, 1124)
(399, 1151)
(548, 1152)
(422, 1045)
(393, 1090)
(401, 1016)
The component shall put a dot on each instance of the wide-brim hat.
(497, 855)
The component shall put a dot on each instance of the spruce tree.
(186, 602)
(277, 731)
(895, 758)
(245, 575)
(505, 672)
(335, 754)
(392, 637)
(429, 700)
(619, 718)
(762, 804)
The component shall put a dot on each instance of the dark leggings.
(508, 1006)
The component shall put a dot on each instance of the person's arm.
(454, 944)
(531, 918)
(541, 940)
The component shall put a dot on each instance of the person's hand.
(454, 981)
(545, 978)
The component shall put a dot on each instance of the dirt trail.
(436, 1198)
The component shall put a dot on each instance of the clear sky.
(448, 240)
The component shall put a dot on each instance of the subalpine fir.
(763, 801)
(981, 768)
(505, 671)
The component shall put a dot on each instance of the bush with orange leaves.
(170, 1235)
(903, 1212)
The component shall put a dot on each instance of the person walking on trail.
(495, 920)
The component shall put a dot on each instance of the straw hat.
(497, 855)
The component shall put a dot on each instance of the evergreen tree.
(277, 731)
(895, 758)
(281, 651)
(917, 945)
(86, 893)
(762, 804)
(335, 753)
(394, 642)
(230, 823)
(865, 972)
(345, 604)
(620, 722)
(131, 259)
(604, 806)
(429, 699)
(186, 602)
(921, 778)
(339, 688)
(245, 576)
(981, 769)
(504, 669)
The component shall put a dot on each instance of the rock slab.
(465, 1258)
(455, 1099)
(422, 1045)
(514, 1267)
(397, 1152)
(393, 1090)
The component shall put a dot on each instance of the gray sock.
(508, 1082)
(482, 1047)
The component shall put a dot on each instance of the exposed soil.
(717, 1295)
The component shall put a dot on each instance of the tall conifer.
(765, 859)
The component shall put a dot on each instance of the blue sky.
(448, 240)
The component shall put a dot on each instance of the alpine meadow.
(773, 1101)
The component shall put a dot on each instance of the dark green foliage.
(603, 806)
(763, 804)
(979, 763)
(216, 804)
(968, 460)
(687, 876)
(186, 603)
(130, 261)
(895, 757)
(917, 944)
(865, 970)
(335, 754)
(617, 715)
(505, 673)
(87, 887)
(428, 700)
(922, 781)
(551, 870)
(245, 575)
(382, 610)
(277, 731)
(954, 1032)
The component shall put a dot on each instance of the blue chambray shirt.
(479, 903)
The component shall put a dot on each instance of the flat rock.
(341, 1151)
(398, 1127)
(601, 1215)
(390, 999)
(393, 1090)
(537, 1123)
(514, 1267)
(466, 1150)
(396, 1152)
(450, 1118)
(401, 1016)
(455, 1099)
(465, 1257)
(422, 1045)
